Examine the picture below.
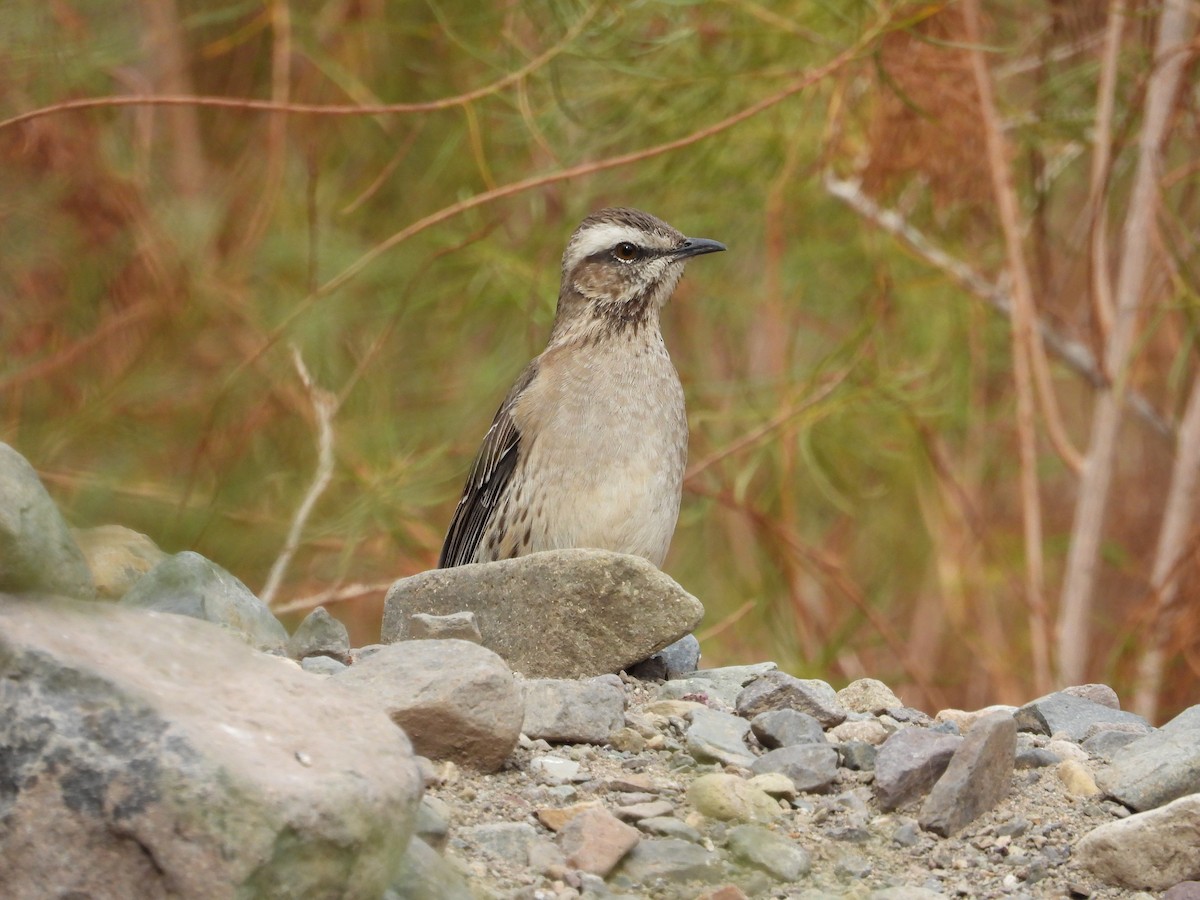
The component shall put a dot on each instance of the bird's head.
(620, 268)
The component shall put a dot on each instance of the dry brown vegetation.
(946, 421)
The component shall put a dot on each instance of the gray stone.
(722, 684)
(730, 798)
(572, 712)
(718, 737)
(150, 755)
(650, 809)
(778, 690)
(1063, 713)
(460, 626)
(812, 767)
(1096, 693)
(764, 849)
(979, 776)
(868, 695)
(669, 826)
(1159, 767)
(909, 763)
(1150, 851)
(858, 756)
(117, 557)
(505, 841)
(786, 728)
(320, 634)
(433, 821)
(322, 665)
(1185, 890)
(187, 584)
(556, 614)
(37, 552)
(595, 841)
(426, 875)
(1105, 744)
(454, 699)
(1036, 758)
(669, 860)
(673, 661)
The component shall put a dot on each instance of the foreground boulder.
(37, 552)
(149, 755)
(557, 614)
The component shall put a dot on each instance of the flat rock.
(151, 755)
(1097, 693)
(1105, 744)
(595, 841)
(779, 690)
(786, 728)
(811, 767)
(722, 684)
(37, 552)
(1148, 851)
(454, 699)
(715, 736)
(506, 841)
(782, 859)
(730, 798)
(909, 763)
(459, 626)
(576, 712)
(556, 614)
(1157, 768)
(187, 584)
(320, 634)
(669, 826)
(667, 860)
(117, 557)
(978, 777)
(1069, 715)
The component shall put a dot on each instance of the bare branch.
(325, 408)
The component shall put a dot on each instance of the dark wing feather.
(488, 482)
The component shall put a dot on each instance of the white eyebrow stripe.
(602, 237)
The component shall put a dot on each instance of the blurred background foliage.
(852, 506)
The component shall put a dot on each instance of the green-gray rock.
(117, 557)
(320, 634)
(773, 853)
(38, 555)
(187, 584)
(730, 798)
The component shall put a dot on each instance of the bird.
(589, 446)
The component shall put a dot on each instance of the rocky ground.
(506, 829)
(161, 735)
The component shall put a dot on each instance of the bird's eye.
(627, 252)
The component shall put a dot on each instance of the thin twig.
(331, 595)
(324, 408)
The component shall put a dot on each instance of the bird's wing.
(489, 480)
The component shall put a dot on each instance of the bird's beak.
(696, 247)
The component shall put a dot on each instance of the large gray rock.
(556, 614)
(426, 875)
(1148, 851)
(979, 776)
(909, 763)
(146, 755)
(37, 552)
(117, 557)
(676, 660)
(1074, 716)
(454, 699)
(1159, 767)
(782, 859)
(786, 728)
(572, 712)
(187, 584)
